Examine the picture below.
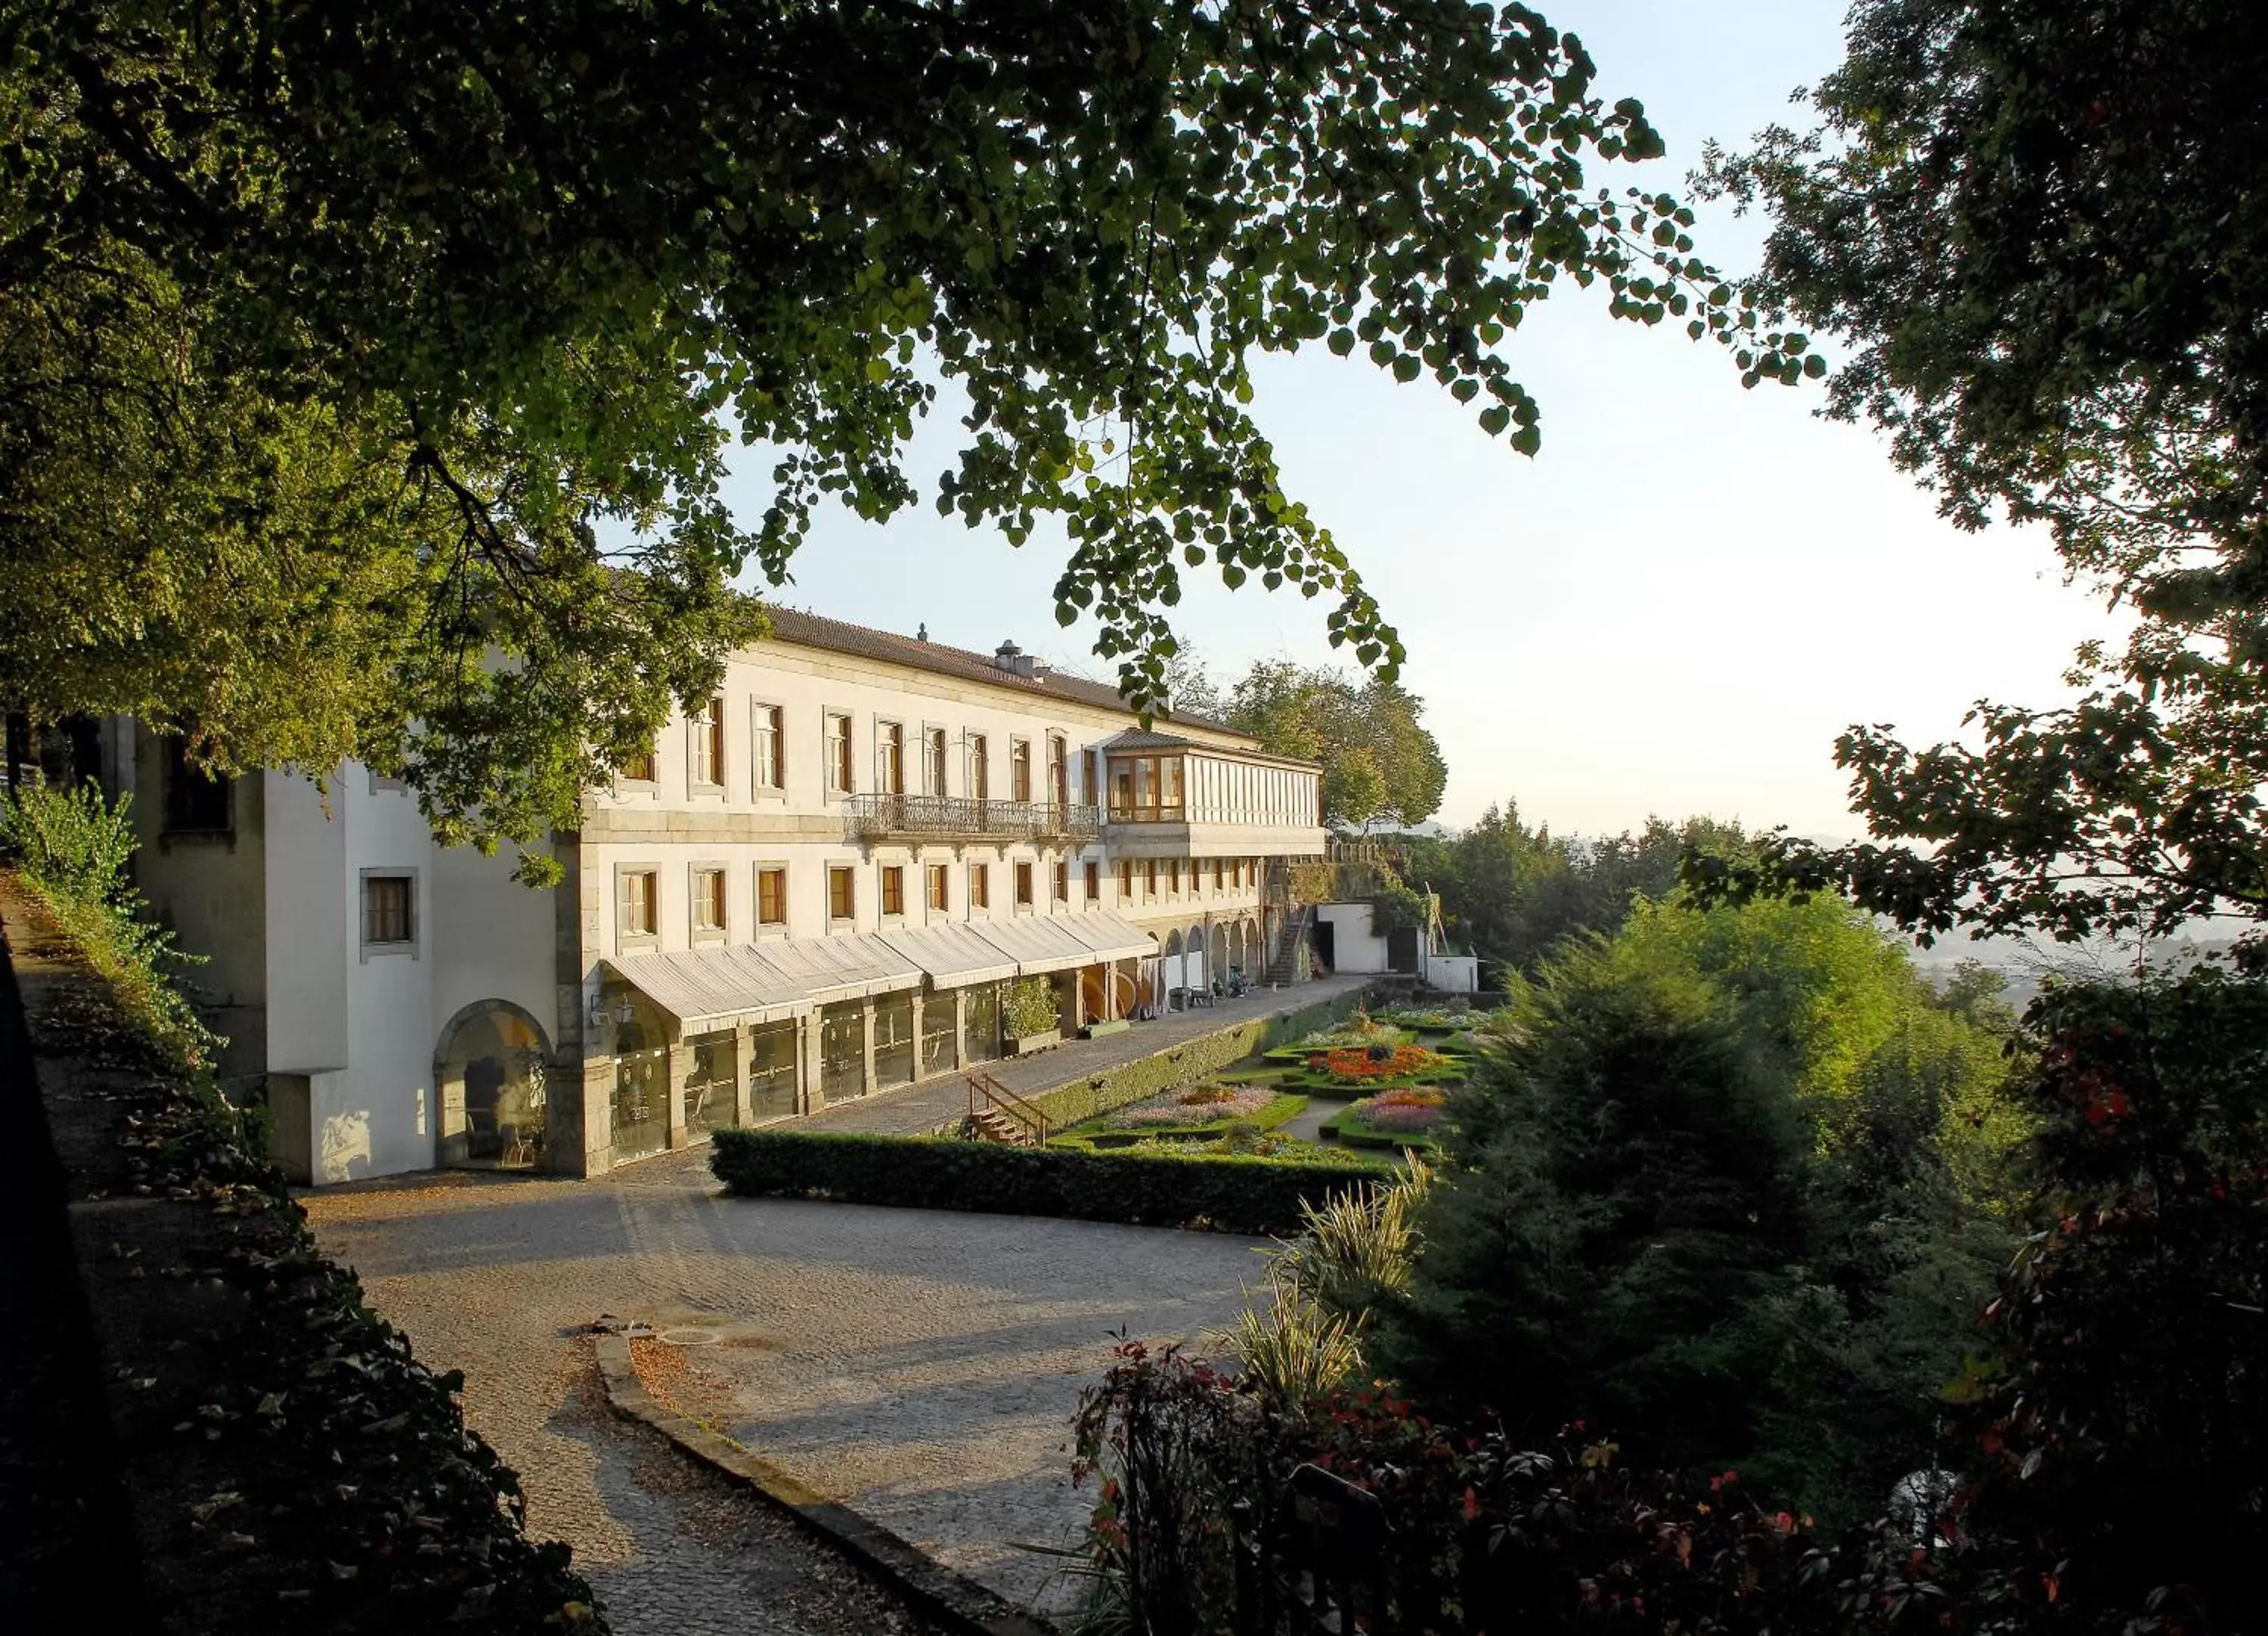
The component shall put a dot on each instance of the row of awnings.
(725, 985)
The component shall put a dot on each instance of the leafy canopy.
(2042, 232)
(347, 357)
(1379, 762)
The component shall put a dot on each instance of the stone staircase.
(1284, 965)
(990, 1124)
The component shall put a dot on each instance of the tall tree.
(2041, 230)
(347, 355)
(1380, 764)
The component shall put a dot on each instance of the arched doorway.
(491, 1069)
(1218, 971)
(1169, 969)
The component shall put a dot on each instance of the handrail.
(874, 813)
(1007, 1101)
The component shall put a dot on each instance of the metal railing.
(873, 816)
(991, 1094)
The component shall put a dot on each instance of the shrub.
(72, 842)
(1201, 1104)
(1030, 1007)
(1227, 1194)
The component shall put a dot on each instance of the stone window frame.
(884, 726)
(832, 764)
(977, 764)
(411, 944)
(624, 938)
(380, 784)
(705, 736)
(758, 869)
(849, 870)
(1023, 886)
(936, 873)
(758, 789)
(885, 872)
(1091, 872)
(944, 768)
(1016, 742)
(694, 931)
(980, 885)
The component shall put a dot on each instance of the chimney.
(1009, 657)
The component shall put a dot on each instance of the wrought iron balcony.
(957, 817)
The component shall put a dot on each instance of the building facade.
(818, 885)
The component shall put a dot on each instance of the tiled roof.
(792, 624)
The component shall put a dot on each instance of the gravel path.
(921, 1366)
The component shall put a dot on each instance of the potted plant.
(1028, 1016)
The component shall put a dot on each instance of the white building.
(816, 887)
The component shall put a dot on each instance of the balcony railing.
(878, 817)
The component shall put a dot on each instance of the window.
(1020, 770)
(1125, 879)
(1058, 771)
(389, 911)
(643, 767)
(639, 898)
(938, 888)
(708, 900)
(1146, 789)
(842, 900)
(705, 749)
(1174, 876)
(980, 769)
(771, 897)
(1216, 872)
(1095, 883)
(889, 758)
(933, 761)
(196, 801)
(980, 886)
(1063, 883)
(838, 753)
(1090, 778)
(1023, 886)
(1149, 877)
(768, 747)
(894, 889)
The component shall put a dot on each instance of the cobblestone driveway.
(921, 1366)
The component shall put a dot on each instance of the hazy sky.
(1674, 609)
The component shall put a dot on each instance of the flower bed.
(1199, 1104)
(1411, 1115)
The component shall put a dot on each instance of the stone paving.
(914, 1109)
(920, 1367)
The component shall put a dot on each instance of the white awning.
(1037, 943)
(706, 989)
(1111, 937)
(841, 968)
(951, 953)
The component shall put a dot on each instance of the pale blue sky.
(1674, 609)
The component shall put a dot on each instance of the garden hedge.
(1219, 1194)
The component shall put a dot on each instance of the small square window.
(842, 899)
(938, 888)
(708, 899)
(1023, 886)
(894, 889)
(771, 897)
(389, 904)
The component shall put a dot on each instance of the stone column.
(814, 1079)
(1078, 998)
(918, 1065)
(960, 1030)
(866, 1027)
(740, 1068)
(681, 1065)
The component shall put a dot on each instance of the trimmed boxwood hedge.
(1220, 1194)
(1286, 1105)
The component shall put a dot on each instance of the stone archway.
(491, 1074)
(1218, 963)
